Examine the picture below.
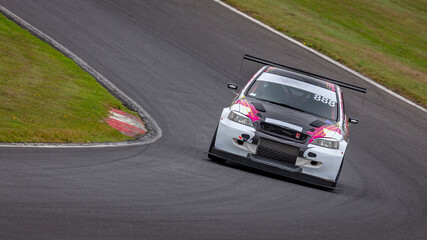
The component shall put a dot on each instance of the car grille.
(278, 151)
(283, 132)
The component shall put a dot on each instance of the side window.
(255, 89)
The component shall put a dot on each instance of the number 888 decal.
(324, 100)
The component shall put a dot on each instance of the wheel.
(339, 171)
(211, 157)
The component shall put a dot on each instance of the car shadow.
(270, 175)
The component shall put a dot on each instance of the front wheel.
(212, 157)
(339, 171)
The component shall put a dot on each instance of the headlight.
(327, 143)
(240, 118)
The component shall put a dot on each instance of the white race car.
(288, 122)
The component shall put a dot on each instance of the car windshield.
(295, 94)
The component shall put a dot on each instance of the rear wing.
(339, 83)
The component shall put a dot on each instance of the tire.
(211, 157)
(213, 140)
(339, 171)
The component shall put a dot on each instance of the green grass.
(46, 97)
(383, 39)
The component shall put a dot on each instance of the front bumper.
(268, 165)
(323, 173)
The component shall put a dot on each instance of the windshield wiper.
(288, 106)
(282, 104)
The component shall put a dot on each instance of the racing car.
(288, 122)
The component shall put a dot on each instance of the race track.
(174, 58)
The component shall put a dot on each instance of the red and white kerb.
(126, 123)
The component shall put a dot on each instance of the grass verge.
(47, 97)
(383, 39)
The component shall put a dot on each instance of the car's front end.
(298, 131)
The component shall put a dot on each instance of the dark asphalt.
(174, 58)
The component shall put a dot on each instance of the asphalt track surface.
(174, 58)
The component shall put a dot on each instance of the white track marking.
(323, 56)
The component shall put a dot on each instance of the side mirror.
(232, 86)
(353, 120)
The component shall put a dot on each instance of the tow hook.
(243, 138)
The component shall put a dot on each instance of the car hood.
(262, 111)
